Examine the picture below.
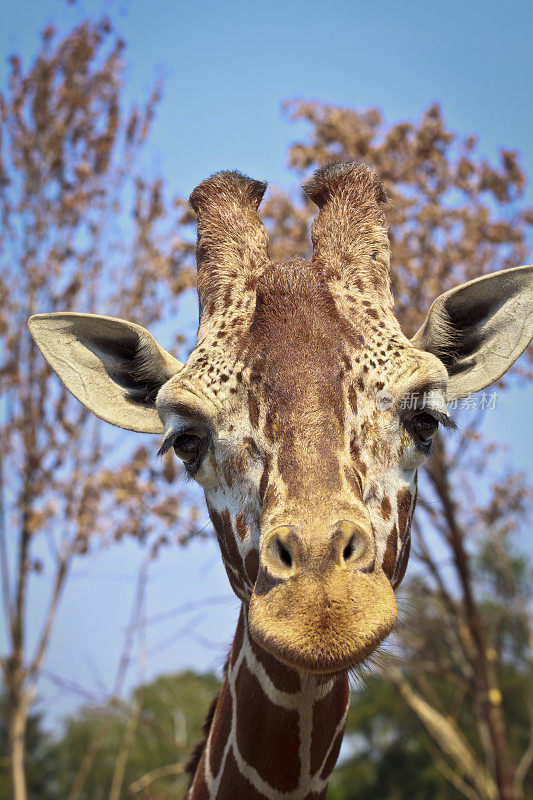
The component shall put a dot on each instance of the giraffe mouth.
(323, 626)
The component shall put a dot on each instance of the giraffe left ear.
(480, 328)
(113, 367)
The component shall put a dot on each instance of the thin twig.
(59, 585)
(191, 605)
(155, 775)
(453, 777)
(4, 563)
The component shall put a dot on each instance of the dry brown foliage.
(80, 230)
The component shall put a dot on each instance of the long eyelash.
(427, 448)
(442, 418)
(187, 476)
(167, 443)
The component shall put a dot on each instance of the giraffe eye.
(190, 449)
(424, 427)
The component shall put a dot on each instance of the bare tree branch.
(155, 775)
(59, 584)
(452, 776)
(448, 738)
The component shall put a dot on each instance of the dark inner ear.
(463, 319)
(479, 329)
(130, 362)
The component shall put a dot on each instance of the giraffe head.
(303, 411)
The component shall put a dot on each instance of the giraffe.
(290, 413)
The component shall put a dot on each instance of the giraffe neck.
(275, 733)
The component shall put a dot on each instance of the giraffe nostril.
(352, 545)
(284, 555)
(281, 554)
(349, 549)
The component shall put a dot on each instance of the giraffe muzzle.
(321, 602)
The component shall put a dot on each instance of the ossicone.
(232, 242)
(227, 185)
(357, 183)
(349, 234)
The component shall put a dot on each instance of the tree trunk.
(16, 731)
(489, 694)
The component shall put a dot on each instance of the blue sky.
(226, 68)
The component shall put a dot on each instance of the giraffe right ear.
(480, 328)
(114, 368)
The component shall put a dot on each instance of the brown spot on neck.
(221, 726)
(263, 483)
(389, 558)
(227, 469)
(403, 499)
(327, 713)
(403, 560)
(240, 524)
(358, 463)
(251, 566)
